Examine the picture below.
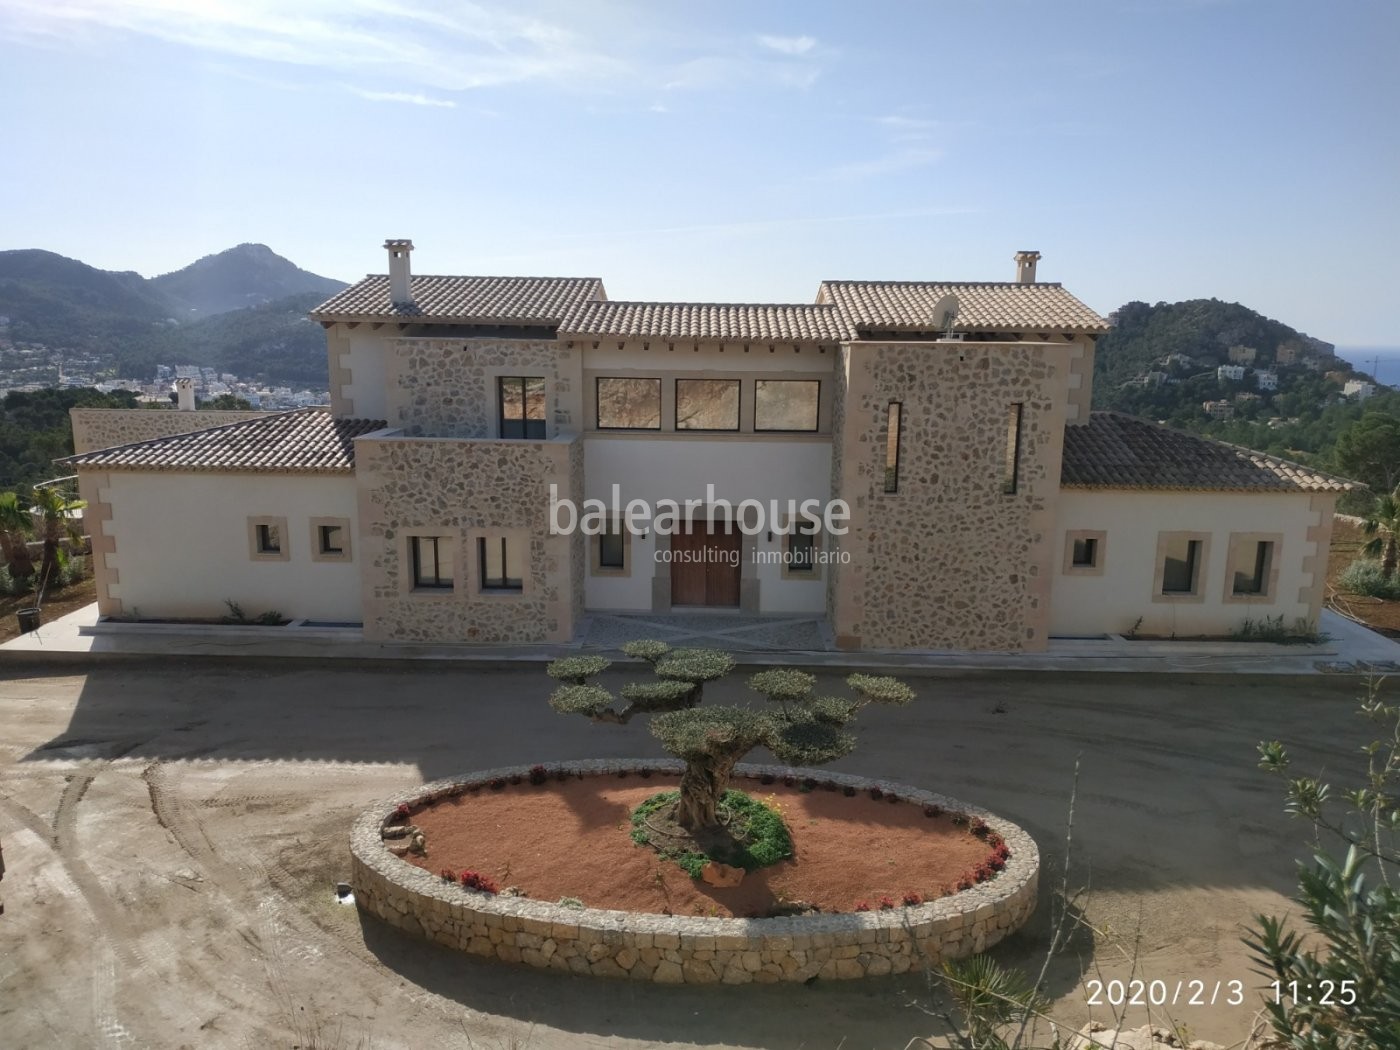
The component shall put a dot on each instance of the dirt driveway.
(173, 833)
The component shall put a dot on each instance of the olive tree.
(797, 726)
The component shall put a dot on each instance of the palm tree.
(56, 523)
(16, 527)
(1383, 526)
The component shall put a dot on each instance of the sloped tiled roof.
(306, 441)
(480, 300)
(1117, 451)
(880, 305)
(735, 321)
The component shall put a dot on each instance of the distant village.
(1247, 378)
(35, 366)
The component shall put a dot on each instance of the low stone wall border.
(673, 949)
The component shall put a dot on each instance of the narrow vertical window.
(1252, 575)
(1181, 566)
(893, 423)
(432, 562)
(802, 546)
(1011, 475)
(612, 549)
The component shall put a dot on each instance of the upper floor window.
(1011, 474)
(522, 406)
(707, 404)
(893, 425)
(629, 404)
(786, 404)
(499, 564)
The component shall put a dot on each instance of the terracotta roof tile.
(1116, 451)
(737, 321)
(877, 305)
(304, 441)
(483, 300)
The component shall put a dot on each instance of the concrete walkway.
(79, 638)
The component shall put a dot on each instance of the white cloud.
(788, 45)
(411, 98)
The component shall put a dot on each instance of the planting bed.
(645, 918)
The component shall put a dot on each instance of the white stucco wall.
(182, 545)
(679, 467)
(1089, 605)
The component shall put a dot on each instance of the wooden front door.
(705, 565)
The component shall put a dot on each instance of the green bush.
(1363, 576)
(762, 837)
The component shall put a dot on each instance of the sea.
(1380, 362)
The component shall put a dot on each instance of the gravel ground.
(173, 832)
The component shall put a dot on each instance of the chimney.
(400, 290)
(1025, 267)
(184, 395)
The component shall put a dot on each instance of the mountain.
(242, 311)
(248, 275)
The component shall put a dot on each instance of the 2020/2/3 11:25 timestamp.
(1315, 993)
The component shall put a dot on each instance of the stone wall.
(105, 427)
(682, 950)
(450, 487)
(447, 387)
(949, 561)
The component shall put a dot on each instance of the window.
(1251, 571)
(786, 404)
(498, 562)
(707, 404)
(267, 539)
(330, 539)
(629, 404)
(1181, 566)
(892, 439)
(432, 562)
(1084, 552)
(612, 549)
(802, 548)
(1011, 475)
(522, 406)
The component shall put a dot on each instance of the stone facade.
(95, 428)
(950, 560)
(447, 388)
(459, 488)
(669, 949)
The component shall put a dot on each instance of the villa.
(979, 504)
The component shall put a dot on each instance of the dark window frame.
(322, 532)
(738, 385)
(504, 584)
(421, 582)
(1091, 550)
(894, 428)
(817, 416)
(1011, 471)
(598, 403)
(528, 429)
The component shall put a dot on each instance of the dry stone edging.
(673, 949)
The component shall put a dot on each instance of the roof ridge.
(485, 277)
(967, 284)
(701, 302)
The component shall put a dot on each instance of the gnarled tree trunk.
(1388, 563)
(703, 784)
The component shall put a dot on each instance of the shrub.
(496, 784)
(538, 775)
(789, 780)
(861, 906)
(978, 827)
(931, 810)
(890, 796)
(848, 791)
(913, 899)
(447, 875)
(474, 880)
(1363, 576)
(960, 819)
(876, 794)
(886, 903)
(402, 812)
(767, 778)
(577, 669)
(808, 784)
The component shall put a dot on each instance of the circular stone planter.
(672, 949)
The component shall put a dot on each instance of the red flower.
(912, 899)
(474, 880)
(886, 903)
(862, 906)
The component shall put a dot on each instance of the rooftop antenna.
(945, 315)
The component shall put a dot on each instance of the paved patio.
(710, 631)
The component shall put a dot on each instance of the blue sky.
(1158, 149)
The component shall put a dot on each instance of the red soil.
(571, 839)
